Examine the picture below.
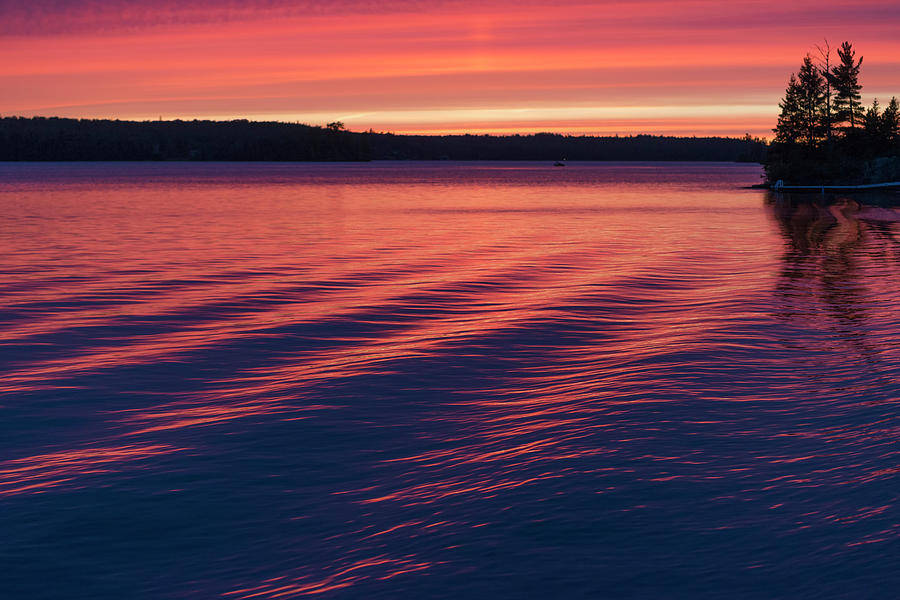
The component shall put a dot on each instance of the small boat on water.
(559, 163)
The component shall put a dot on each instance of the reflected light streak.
(287, 587)
(37, 474)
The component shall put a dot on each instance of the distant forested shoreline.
(61, 139)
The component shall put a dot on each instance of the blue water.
(444, 380)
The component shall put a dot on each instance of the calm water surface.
(444, 380)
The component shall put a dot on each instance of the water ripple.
(275, 381)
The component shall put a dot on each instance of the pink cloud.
(284, 59)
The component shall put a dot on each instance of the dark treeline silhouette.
(54, 138)
(549, 146)
(825, 135)
(58, 139)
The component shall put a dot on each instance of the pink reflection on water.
(36, 474)
(381, 568)
(174, 416)
(604, 321)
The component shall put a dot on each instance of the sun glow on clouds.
(646, 66)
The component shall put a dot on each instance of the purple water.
(444, 380)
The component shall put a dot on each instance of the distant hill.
(59, 139)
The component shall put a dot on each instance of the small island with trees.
(825, 136)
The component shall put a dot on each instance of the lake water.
(444, 380)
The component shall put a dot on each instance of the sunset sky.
(498, 66)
